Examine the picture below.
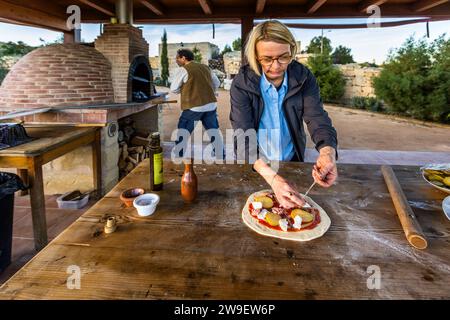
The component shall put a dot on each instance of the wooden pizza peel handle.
(411, 226)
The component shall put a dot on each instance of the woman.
(273, 94)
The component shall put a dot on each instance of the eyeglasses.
(267, 61)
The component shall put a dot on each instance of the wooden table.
(204, 251)
(49, 144)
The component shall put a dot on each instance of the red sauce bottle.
(189, 183)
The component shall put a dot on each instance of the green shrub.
(3, 70)
(358, 103)
(330, 79)
(197, 55)
(160, 82)
(367, 103)
(439, 77)
(415, 80)
(368, 65)
(14, 49)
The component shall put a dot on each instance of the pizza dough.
(301, 235)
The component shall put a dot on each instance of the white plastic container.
(72, 204)
(146, 204)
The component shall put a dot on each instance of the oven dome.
(58, 75)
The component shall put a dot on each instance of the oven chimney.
(124, 11)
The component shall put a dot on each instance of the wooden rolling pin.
(411, 226)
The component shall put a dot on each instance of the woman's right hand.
(286, 194)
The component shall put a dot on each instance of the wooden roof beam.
(23, 15)
(233, 14)
(14, 22)
(45, 6)
(356, 26)
(260, 4)
(99, 6)
(154, 6)
(314, 5)
(423, 5)
(206, 6)
(364, 5)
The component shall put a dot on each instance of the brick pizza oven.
(89, 80)
(126, 49)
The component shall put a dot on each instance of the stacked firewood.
(216, 64)
(133, 146)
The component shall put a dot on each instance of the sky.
(367, 45)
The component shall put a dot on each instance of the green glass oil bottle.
(156, 163)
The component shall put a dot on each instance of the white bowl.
(446, 207)
(146, 204)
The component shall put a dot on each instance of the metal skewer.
(313, 184)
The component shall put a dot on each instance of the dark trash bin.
(9, 183)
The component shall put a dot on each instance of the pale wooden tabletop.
(204, 251)
(45, 139)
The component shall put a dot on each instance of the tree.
(226, 49)
(237, 44)
(3, 70)
(439, 76)
(15, 49)
(59, 40)
(197, 55)
(315, 46)
(215, 54)
(342, 55)
(164, 60)
(329, 78)
(415, 80)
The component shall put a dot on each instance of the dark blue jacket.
(301, 103)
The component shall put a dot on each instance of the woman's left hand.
(325, 170)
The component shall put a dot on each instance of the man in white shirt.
(197, 85)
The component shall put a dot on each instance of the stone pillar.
(246, 28)
(110, 156)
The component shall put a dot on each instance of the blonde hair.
(272, 30)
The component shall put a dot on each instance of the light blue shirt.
(274, 139)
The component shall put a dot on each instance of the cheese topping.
(283, 223)
(297, 222)
(257, 205)
(262, 214)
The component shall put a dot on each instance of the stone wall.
(77, 168)
(10, 61)
(232, 63)
(154, 64)
(74, 170)
(358, 81)
(302, 57)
